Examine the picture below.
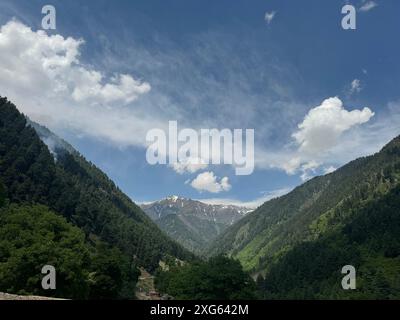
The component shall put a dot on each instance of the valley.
(192, 223)
(54, 204)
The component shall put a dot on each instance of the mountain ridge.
(295, 246)
(193, 223)
(264, 235)
(72, 187)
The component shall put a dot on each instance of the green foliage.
(318, 206)
(121, 235)
(192, 232)
(2, 194)
(370, 242)
(76, 189)
(112, 274)
(33, 236)
(219, 278)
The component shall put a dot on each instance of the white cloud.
(329, 135)
(269, 16)
(319, 132)
(191, 165)
(44, 76)
(291, 165)
(252, 204)
(49, 96)
(52, 61)
(355, 86)
(368, 5)
(323, 126)
(329, 169)
(207, 181)
(122, 88)
(68, 95)
(308, 170)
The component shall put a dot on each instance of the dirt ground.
(6, 296)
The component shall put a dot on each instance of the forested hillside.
(301, 241)
(71, 187)
(190, 231)
(192, 223)
(32, 236)
(219, 278)
(369, 241)
(57, 208)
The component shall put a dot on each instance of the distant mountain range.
(193, 223)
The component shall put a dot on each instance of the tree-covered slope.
(318, 208)
(219, 278)
(370, 242)
(31, 236)
(192, 223)
(76, 189)
(192, 232)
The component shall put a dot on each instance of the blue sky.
(209, 64)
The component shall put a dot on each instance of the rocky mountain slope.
(192, 223)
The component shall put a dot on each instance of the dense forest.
(219, 278)
(190, 231)
(300, 242)
(111, 227)
(32, 236)
(370, 242)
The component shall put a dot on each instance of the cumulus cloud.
(44, 76)
(320, 131)
(368, 5)
(329, 135)
(52, 61)
(323, 126)
(269, 16)
(207, 181)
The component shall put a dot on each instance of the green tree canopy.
(33, 236)
(219, 278)
(2, 194)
